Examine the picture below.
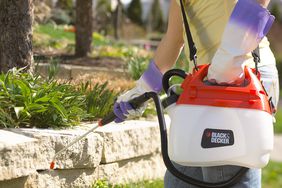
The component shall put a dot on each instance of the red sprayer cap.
(251, 96)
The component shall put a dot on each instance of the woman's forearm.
(171, 44)
(263, 3)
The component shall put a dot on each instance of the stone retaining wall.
(122, 153)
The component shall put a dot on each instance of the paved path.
(276, 154)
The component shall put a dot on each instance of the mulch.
(106, 62)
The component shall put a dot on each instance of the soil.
(107, 62)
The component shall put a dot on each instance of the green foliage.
(275, 10)
(278, 124)
(279, 68)
(27, 100)
(54, 32)
(182, 62)
(50, 36)
(272, 175)
(100, 40)
(99, 100)
(100, 184)
(136, 66)
(134, 11)
(143, 184)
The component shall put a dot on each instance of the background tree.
(103, 17)
(118, 19)
(15, 34)
(83, 25)
(134, 12)
(157, 17)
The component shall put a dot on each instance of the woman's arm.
(171, 44)
(263, 3)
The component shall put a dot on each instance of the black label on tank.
(217, 138)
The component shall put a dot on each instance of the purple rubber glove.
(151, 80)
(248, 24)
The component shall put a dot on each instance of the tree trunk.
(15, 34)
(117, 20)
(83, 37)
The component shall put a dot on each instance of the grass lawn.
(59, 32)
(272, 175)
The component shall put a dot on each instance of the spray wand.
(135, 103)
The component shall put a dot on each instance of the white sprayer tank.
(212, 136)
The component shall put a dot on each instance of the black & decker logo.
(217, 138)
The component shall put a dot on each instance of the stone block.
(21, 182)
(123, 172)
(23, 151)
(17, 155)
(84, 154)
(134, 170)
(129, 140)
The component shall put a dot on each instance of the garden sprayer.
(211, 125)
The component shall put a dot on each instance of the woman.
(225, 32)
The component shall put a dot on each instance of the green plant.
(182, 62)
(27, 100)
(142, 184)
(136, 66)
(99, 100)
(100, 184)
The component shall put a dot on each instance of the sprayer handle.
(135, 103)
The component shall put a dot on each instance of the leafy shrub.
(27, 100)
(136, 66)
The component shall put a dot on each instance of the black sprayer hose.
(170, 166)
(167, 76)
